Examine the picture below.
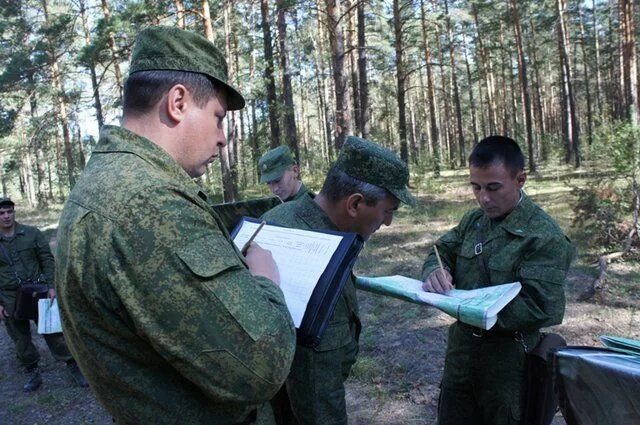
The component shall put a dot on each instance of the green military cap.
(161, 48)
(274, 163)
(373, 164)
(4, 202)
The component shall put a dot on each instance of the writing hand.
(439, 281)
(261, 263)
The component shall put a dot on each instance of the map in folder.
(313, 266)
(623, 345)
(475, 307)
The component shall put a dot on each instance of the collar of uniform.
(312, 214)
(114, 139)
(516, 221)
(19, 231)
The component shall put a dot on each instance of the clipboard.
(327, 289)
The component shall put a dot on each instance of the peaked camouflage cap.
(274, 163)
(161, 48)
(376, 165)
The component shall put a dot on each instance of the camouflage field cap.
(161, 48)
(373, 164)
(274, 163)
(6, 202)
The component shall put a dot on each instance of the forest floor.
(396, 377)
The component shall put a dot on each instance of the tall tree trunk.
(97, 103)
(540, 118)
(61, 105)
(472, 103)
(180, 14)
(364, 121)
(288, 112)
(322, 91)
(454, 86)
(228, 165)
(629, 61)
(350, 17)
(445, 113)
(113, 48)
(268, 75)
(596, 47)
(585, 76)
(571, 116)
(206, 21)
(487, 70)
(524, 85)
(400, 80)
(334, 25)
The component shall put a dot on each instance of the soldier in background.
(280, 172)
(25, 256)
(361, 192)
(508, 239)
(170, 323)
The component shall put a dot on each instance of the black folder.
(329, 287)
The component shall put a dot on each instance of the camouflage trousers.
(20, 332)
(314, 391)
(484, 379)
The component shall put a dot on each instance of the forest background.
(426, 78)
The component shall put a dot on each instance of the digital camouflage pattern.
(158, 306)
(376, 165)
(232, 212)
(274, 163)
(526, 246)
(160, 48)
(32, 260)
(300, 194)
(315, 385)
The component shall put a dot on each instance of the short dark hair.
(494, 149)
(339, 185)
(144, 89)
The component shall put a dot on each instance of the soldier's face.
(7, 217)
(287, 185)
(496, 189)
(204, 136)
(371, 217)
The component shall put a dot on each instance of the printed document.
(301, 256)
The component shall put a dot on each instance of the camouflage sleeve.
(190, 295)
(448, 247)
(45, 258)
(542, 273)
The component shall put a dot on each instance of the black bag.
(27, 296)
(542, 400)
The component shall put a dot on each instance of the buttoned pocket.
(222, 274)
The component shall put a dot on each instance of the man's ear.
(296, 170)
(177, 102)
(521, 179)
(353, 202)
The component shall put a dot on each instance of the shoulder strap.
(482, 264)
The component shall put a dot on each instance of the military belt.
(491, 334)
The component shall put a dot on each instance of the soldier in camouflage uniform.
(280, 172)
(360, 193)
(26, 256)
(170, 323)
(511, 238)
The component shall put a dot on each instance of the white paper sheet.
(301, 256)
(48, 316)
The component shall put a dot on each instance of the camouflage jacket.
(30, 255)
(301, 192)
(157, 304)
(304, 213)
(527, 246)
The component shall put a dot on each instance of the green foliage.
(617, 144)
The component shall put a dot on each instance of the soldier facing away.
(361, 192)
(170, 323)
(509, 238)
